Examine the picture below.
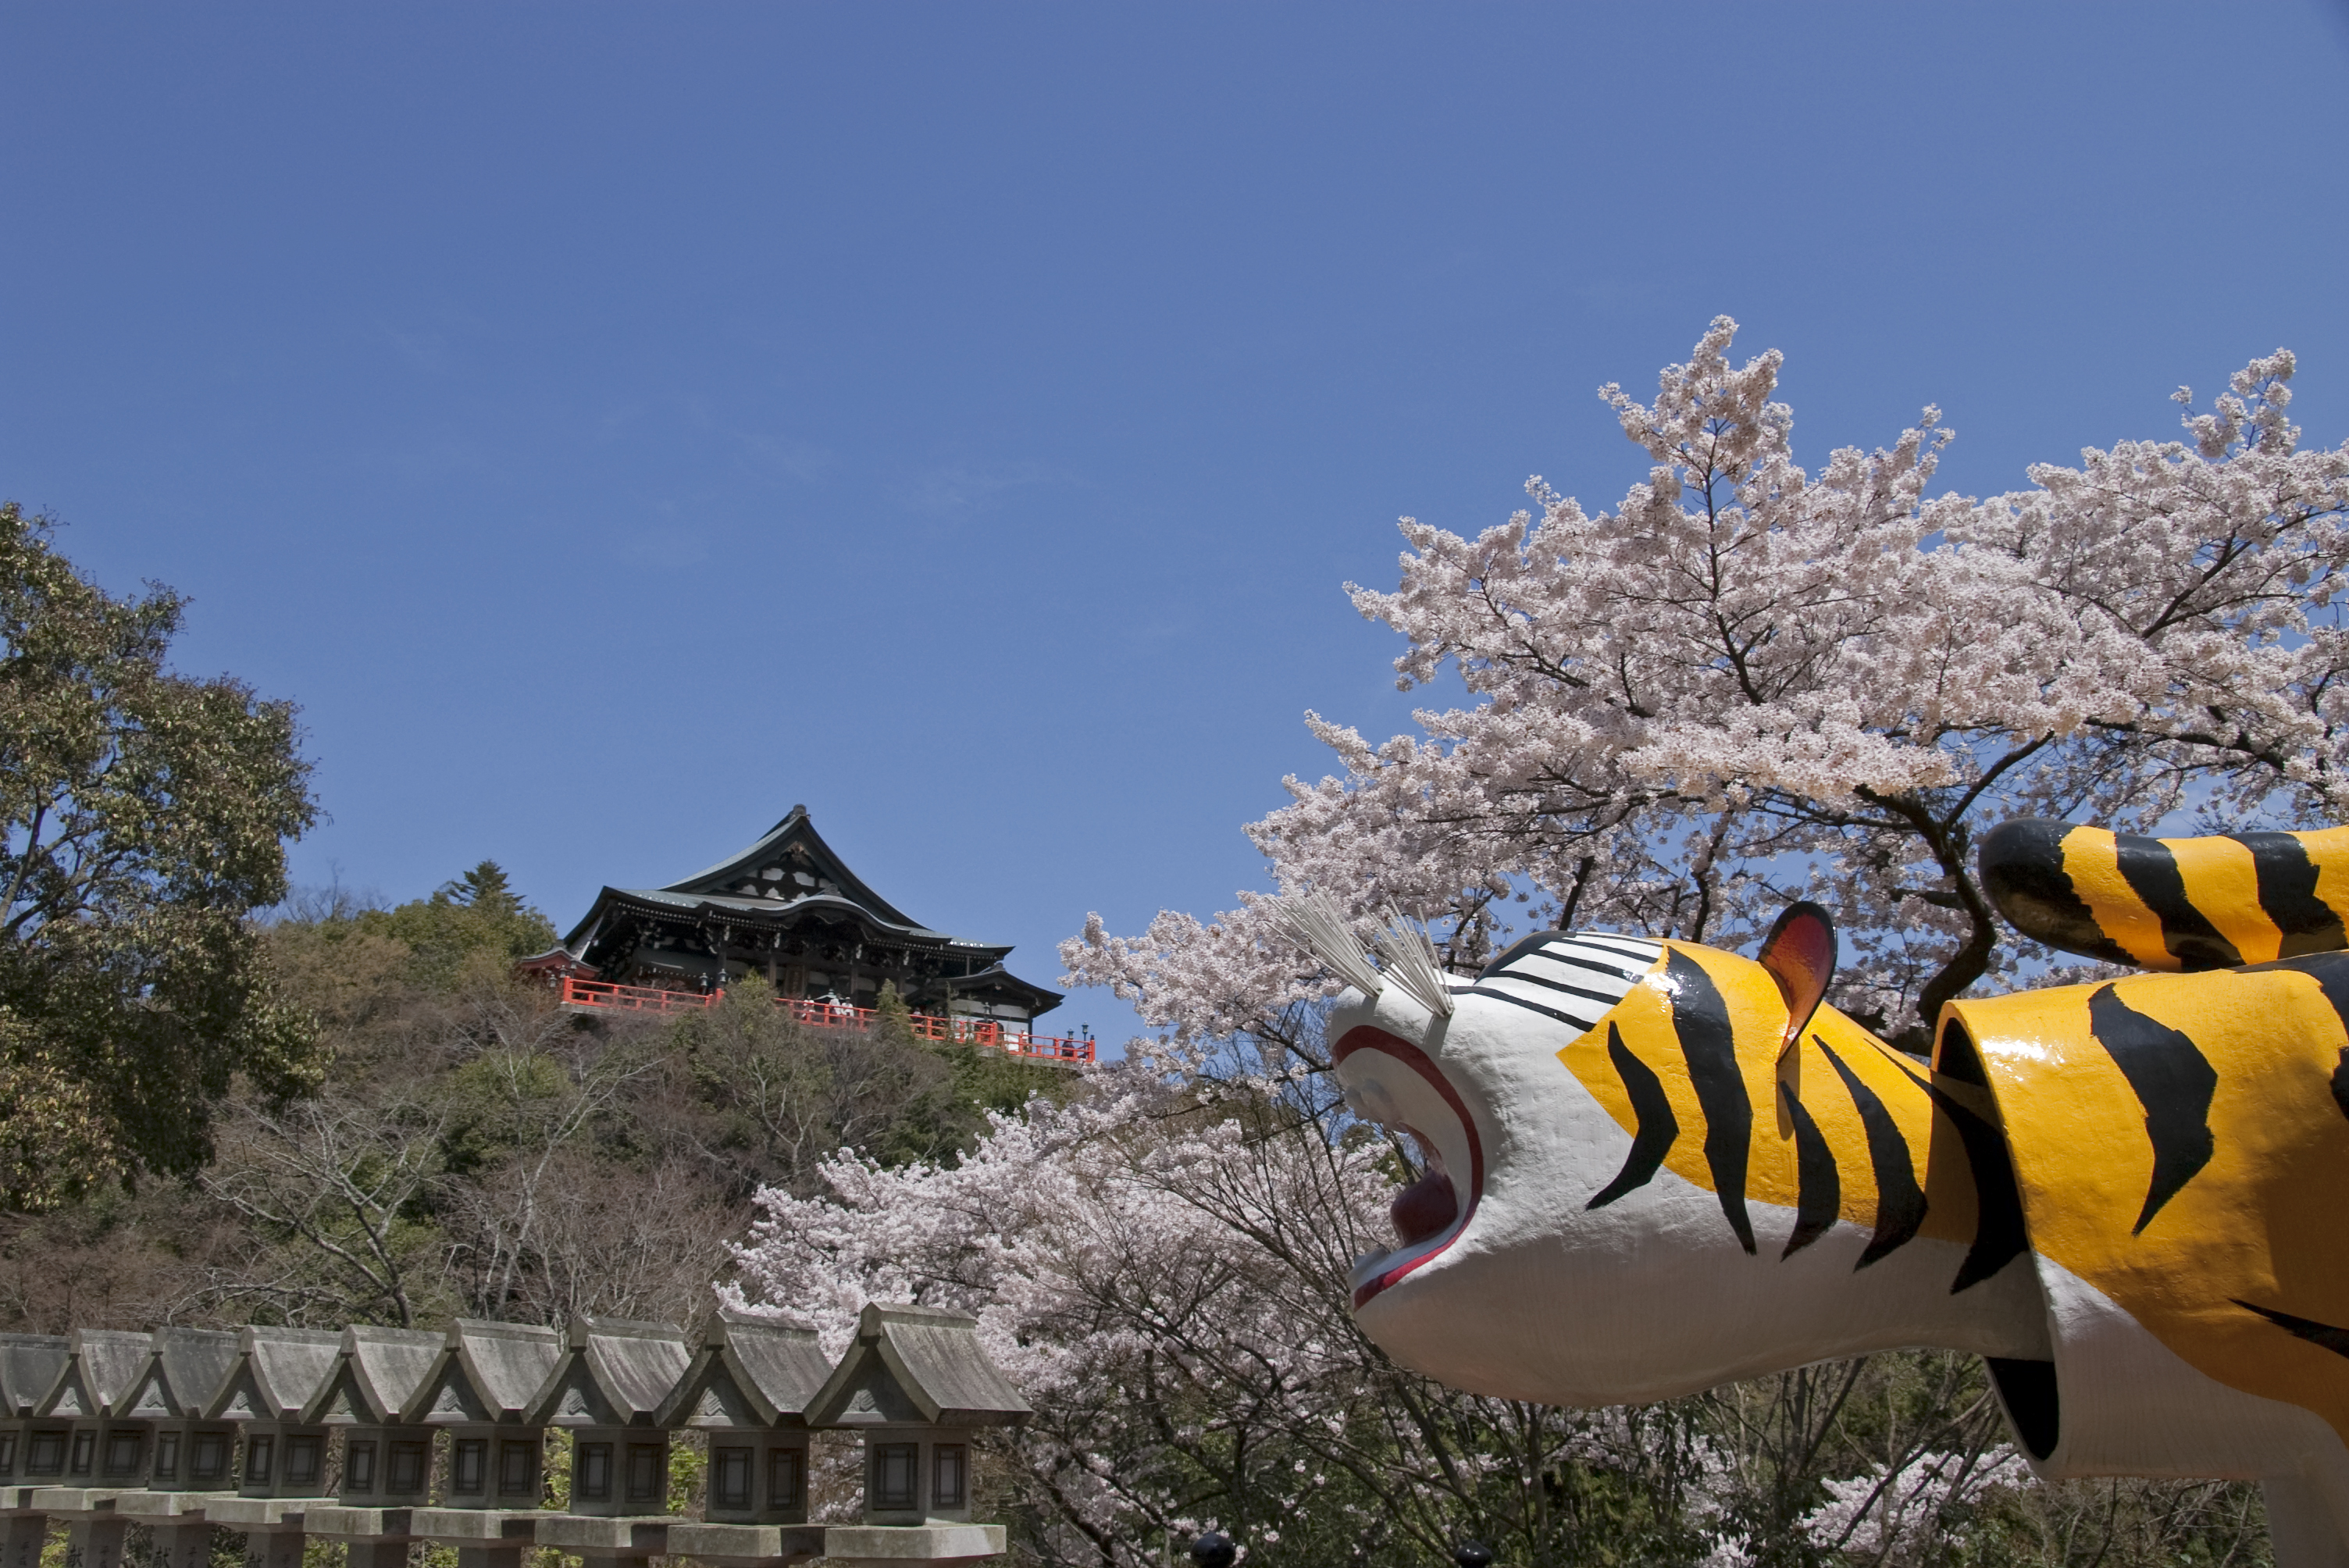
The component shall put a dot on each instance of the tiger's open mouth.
(1391, 1081)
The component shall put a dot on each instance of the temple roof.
(788, 879)
(793, 847)
(790, 870)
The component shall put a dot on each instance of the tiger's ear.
(1800, 954)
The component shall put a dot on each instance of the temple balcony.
(600, 996)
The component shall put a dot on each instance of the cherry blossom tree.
(1743, 683)
(1160, 1266)
(1748, 683)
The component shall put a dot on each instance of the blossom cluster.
(1747, 683)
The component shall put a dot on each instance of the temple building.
(789, 909)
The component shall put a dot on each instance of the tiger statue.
(1651, 1166)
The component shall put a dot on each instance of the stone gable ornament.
(2125, 1196)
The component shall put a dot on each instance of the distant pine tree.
(484, 888)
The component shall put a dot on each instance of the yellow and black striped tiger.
(2170, 904)
(1652, 1165)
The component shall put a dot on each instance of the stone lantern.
(194, 1458)
(387, 1465)
(916, 1387)
(377, 1372)
(29, 1365)
(193, 1453)
(613, 1378)
(748, 1387)
(278, 1372)
(481, 1387)
(611, 1383)
(106, 1446)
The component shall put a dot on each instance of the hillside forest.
(470, 1148)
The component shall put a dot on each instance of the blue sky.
(614, 424)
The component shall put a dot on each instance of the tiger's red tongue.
(1425, 1207)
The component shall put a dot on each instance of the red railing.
(985, 1033)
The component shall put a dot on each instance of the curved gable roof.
(792, 845)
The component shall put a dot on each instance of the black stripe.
(1899, 1202)
(1657, 1129)
(1646, 952)
(2287, 880)
(1999, 1235)
(1580, 1026)
(2330, 973)
(1709, 1044)
(2022, 865)
(1518, 949)
(1818, 1191)
(1600, 996)
(2336, 1340)
(2172, 1081)
(2152, 873)
(1965, 1066)
(2028, 1390)
(1620, 972)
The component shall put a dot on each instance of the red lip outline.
(1366, 1038)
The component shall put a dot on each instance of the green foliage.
(785, 1095)
(142, 817)
(473, 922)
(688, 1465)
(999, 1081)
(474, 1150)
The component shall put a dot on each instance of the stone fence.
(386, 1437)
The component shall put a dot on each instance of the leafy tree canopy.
(478, 914)
(143, 815)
